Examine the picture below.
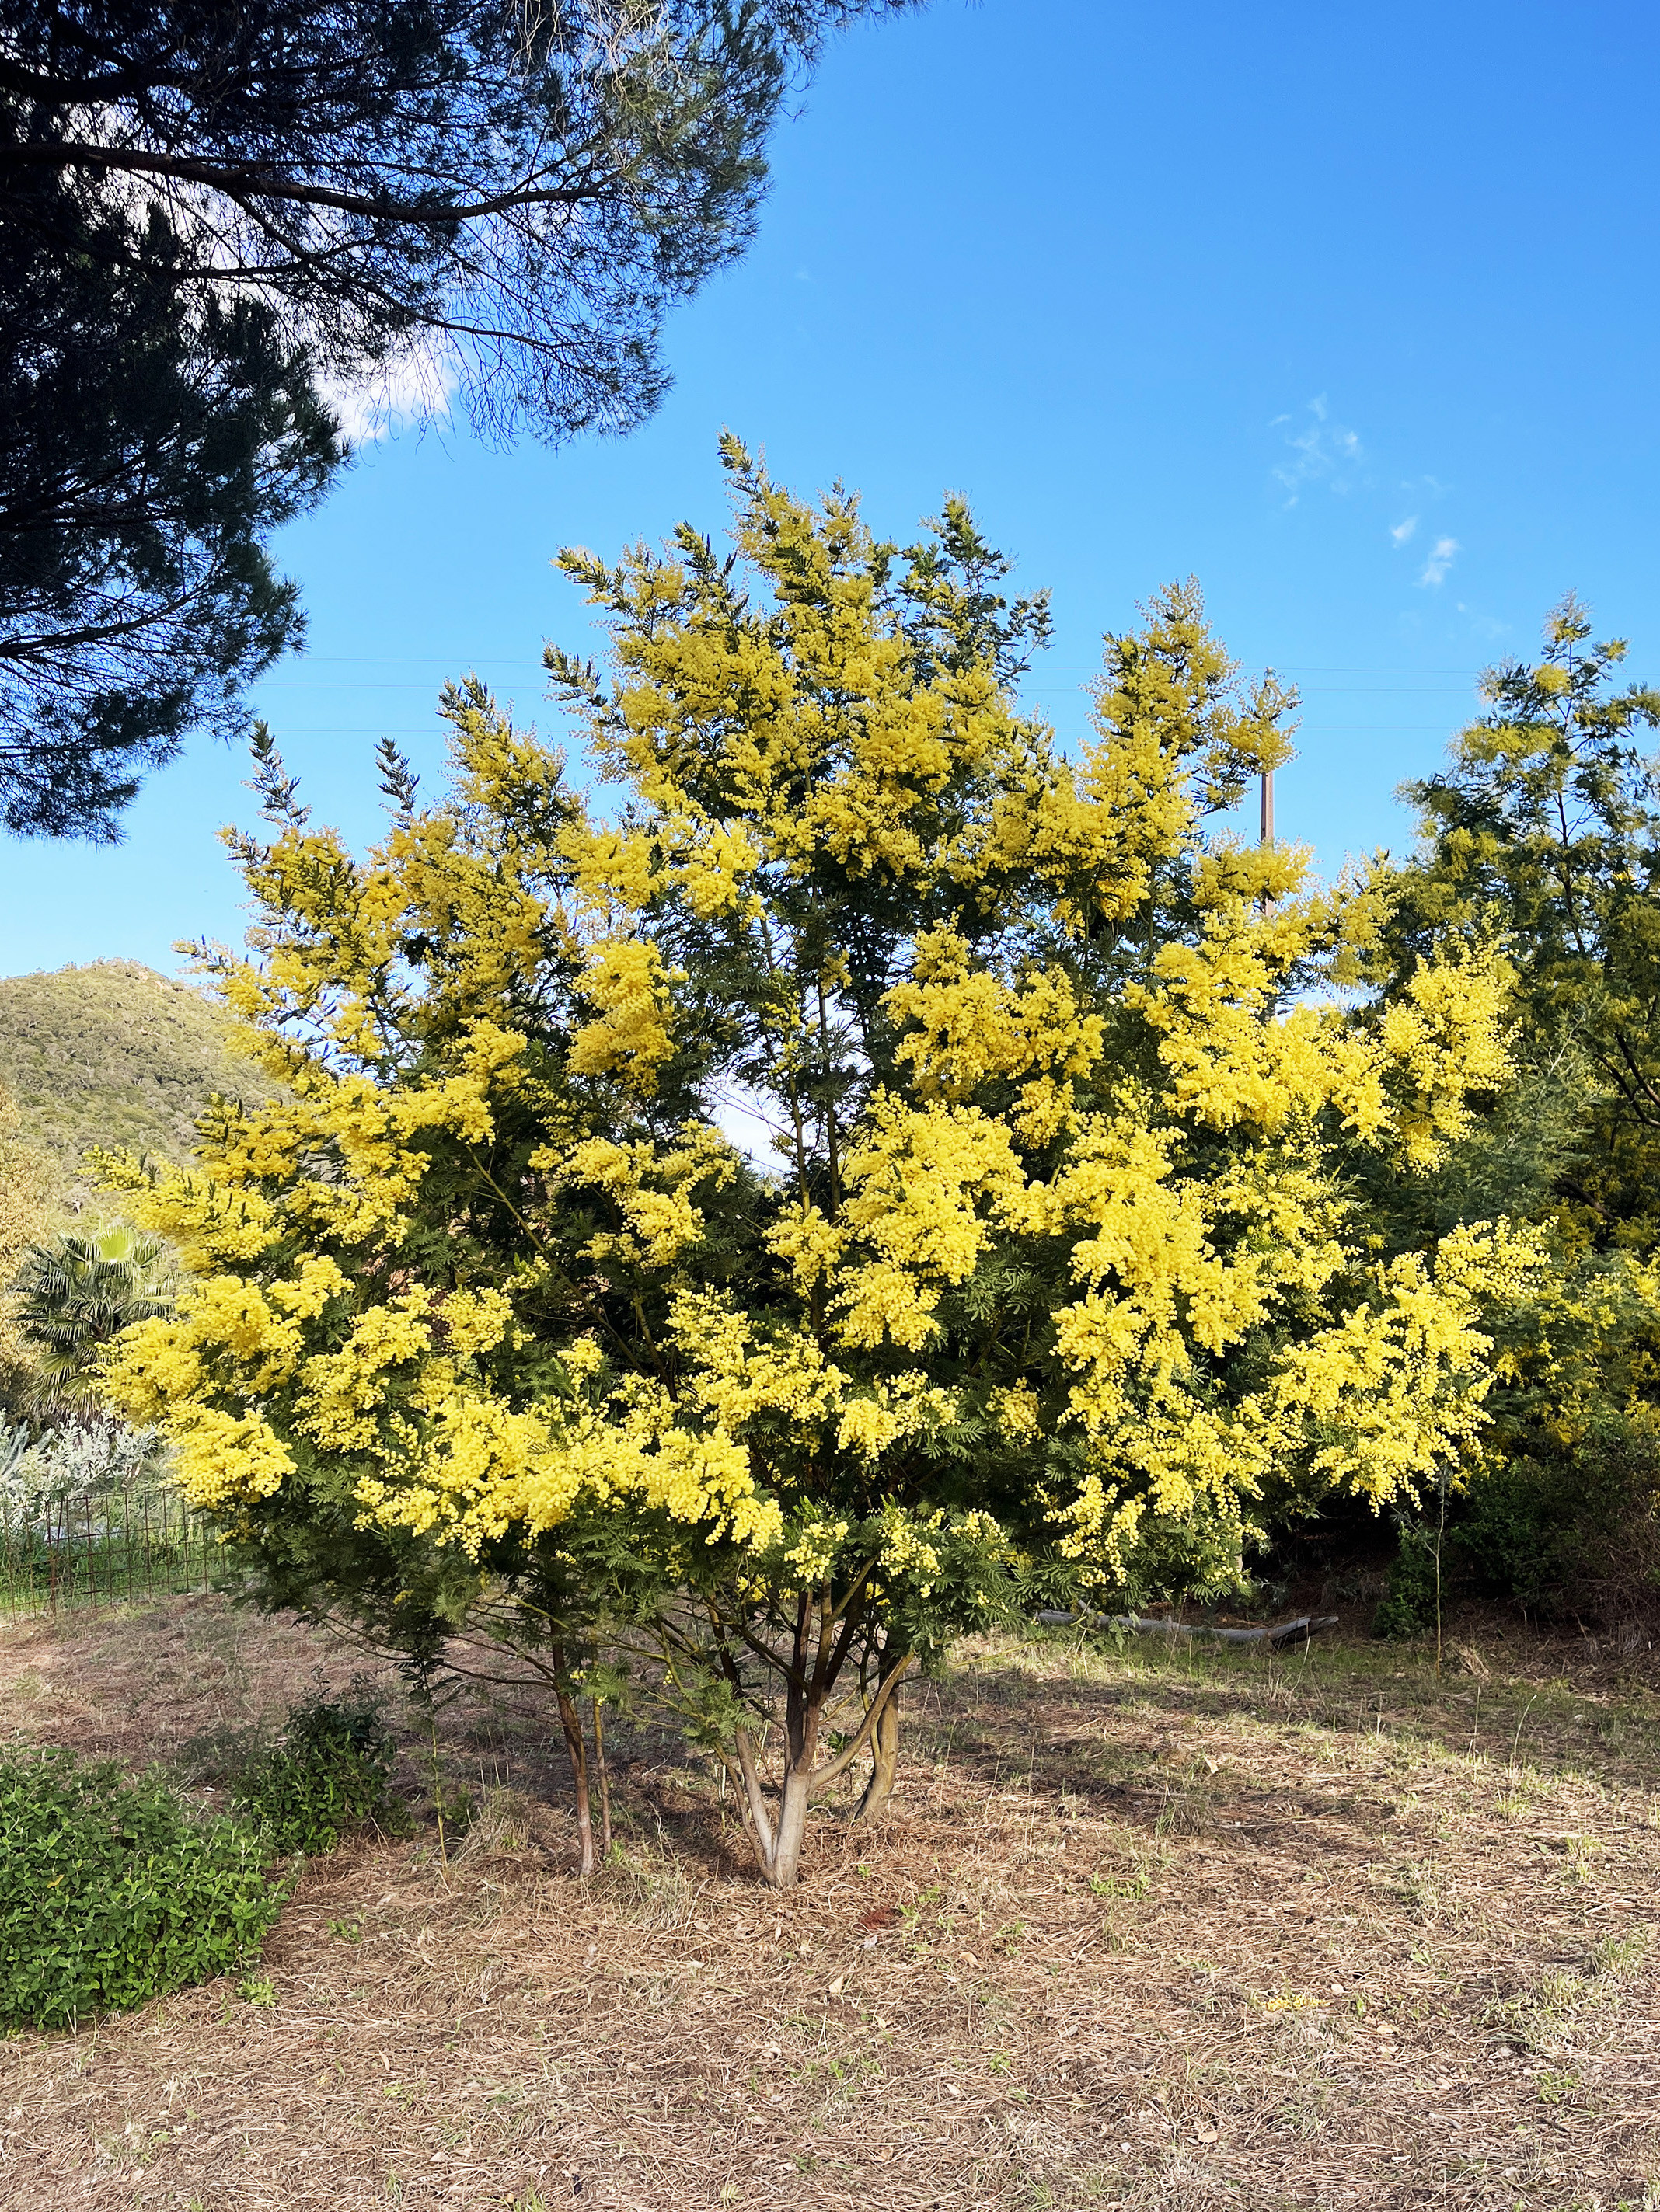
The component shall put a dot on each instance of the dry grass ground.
(1157, 1930)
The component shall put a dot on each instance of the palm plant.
(75, 1295)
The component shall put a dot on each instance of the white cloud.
(1402, 530)
(1440, 560)
(416, 385)
(1324, 452)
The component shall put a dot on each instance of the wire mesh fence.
(110, 1546)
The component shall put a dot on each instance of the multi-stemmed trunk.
(776, 1828)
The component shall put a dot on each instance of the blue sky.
(1351, 312)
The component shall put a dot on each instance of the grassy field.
(1150, 1929)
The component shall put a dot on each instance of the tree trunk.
(776, 1839)
(792, 1827)
(884, 1759)
(571, 1720)
(776, 1836)
(605, 1782)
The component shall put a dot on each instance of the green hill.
(114, 1054)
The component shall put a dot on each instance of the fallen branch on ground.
(1282, 1633)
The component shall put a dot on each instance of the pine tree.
(225, 218)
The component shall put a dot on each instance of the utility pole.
(1268, 806)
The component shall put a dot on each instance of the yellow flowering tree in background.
(1540, 833)
(878, 1169)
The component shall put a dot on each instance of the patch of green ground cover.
(112, 1892)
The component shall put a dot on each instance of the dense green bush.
(112, 1892)
(1572, 1535)
(328, 1773)
(1408, 1602)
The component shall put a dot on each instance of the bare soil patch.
(1151, 1929)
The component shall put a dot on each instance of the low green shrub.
(112, 1892)
(1573, 1536)
(328, 1774)
(1409, 1604)
(1521, 1534)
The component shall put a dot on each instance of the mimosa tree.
(1541, 833)
(1047, 1265)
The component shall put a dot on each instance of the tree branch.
(242, 182)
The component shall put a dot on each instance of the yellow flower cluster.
(650, 1187)
(487, 1469)
(1177, 737)
(966, 1026)
(625, 983)
(808, 1241)
(915, 1546)
(733, 1381)
(224, 1457)
(1235, 1060)
(906, 1550)
(918, 1181)
(1396, 1389)
(789, 742)
(908, 1406)
(812, 1557)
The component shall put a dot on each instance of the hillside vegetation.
(114, 1054)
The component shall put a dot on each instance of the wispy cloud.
(1401, 531)
(1324, 451)
(1440, 561)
